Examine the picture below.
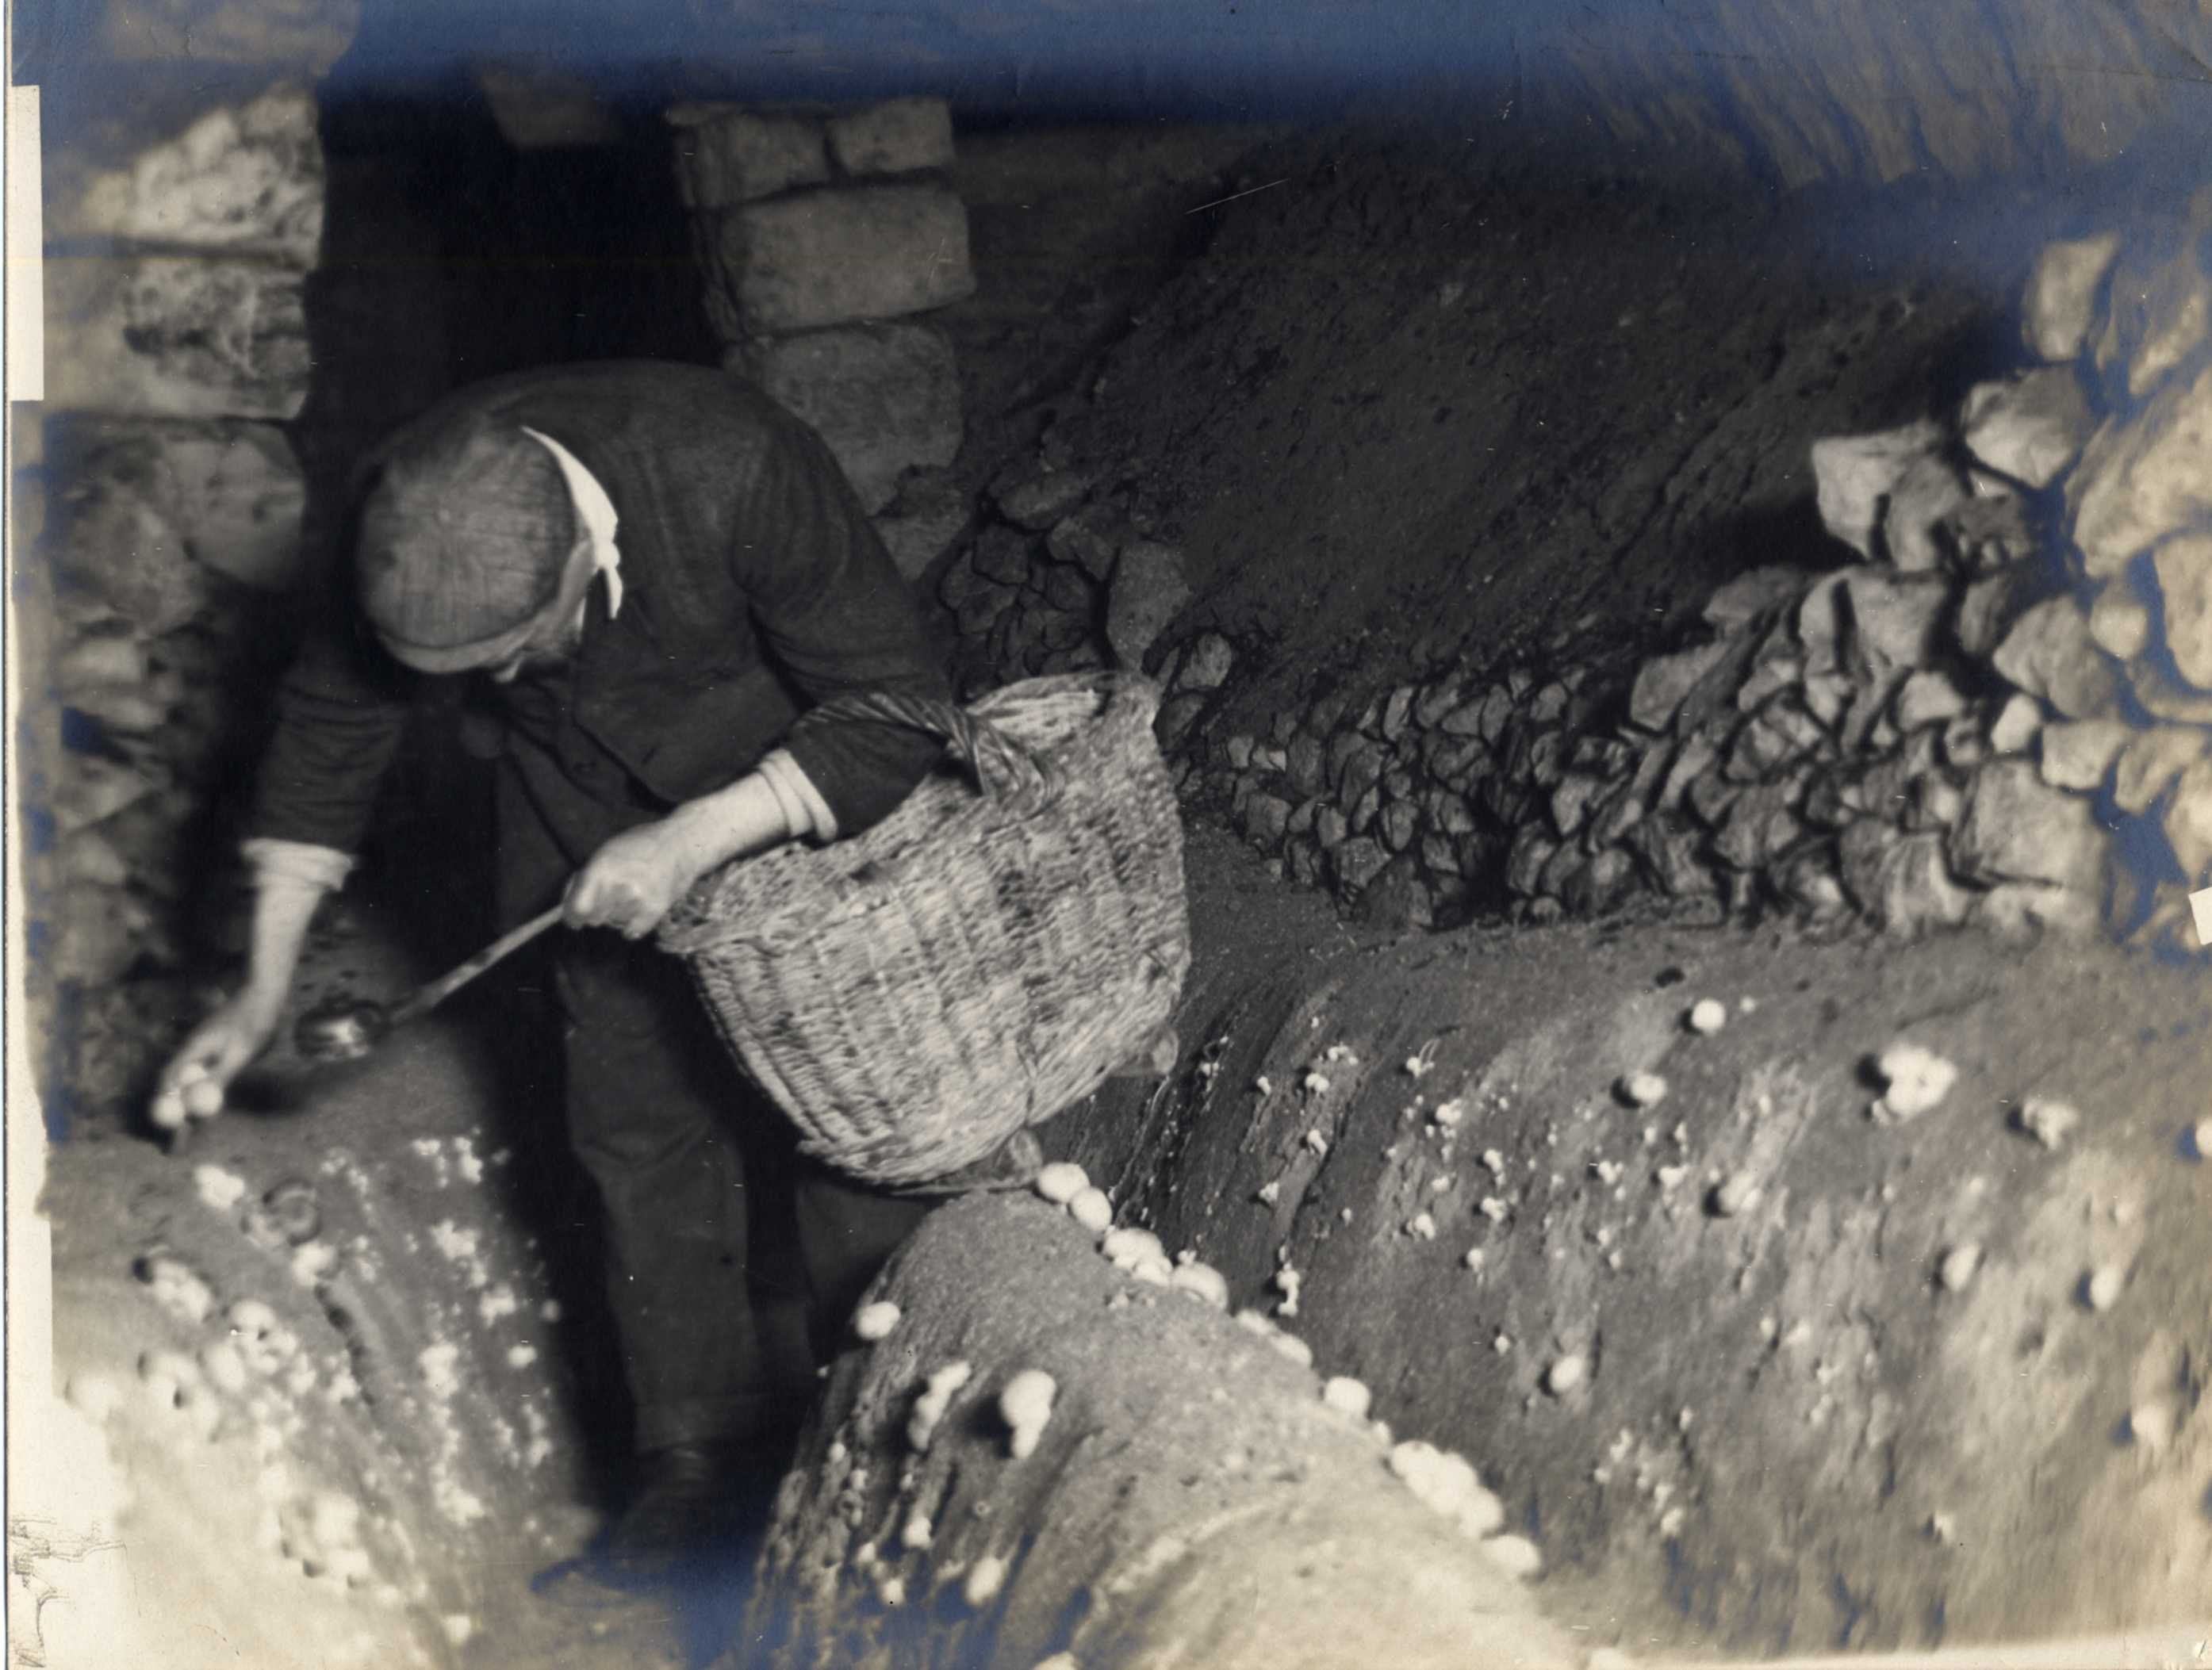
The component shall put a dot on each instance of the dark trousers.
(711, 1214)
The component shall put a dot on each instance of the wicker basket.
(985, 955)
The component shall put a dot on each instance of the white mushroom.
(1025, 1405)
(1917, 1079)
(1737, 1193)
(985, 1579)
(875, 1321)
(1202, 1281)
(936, 1398)
(1091, 1209)
(1708, 1016)
(1348, 1396)
(2048, 1122)
(1645, 1089)
(1514, 1556)
(1565, 1374)
(1481, 1514)
(919, 1534)
(1127, 1248)
(2104, 1287)
(1154, 1269)
(1290, 1345)
(1958, 1267)
(1061, 1181)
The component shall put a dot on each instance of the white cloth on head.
(595, 511)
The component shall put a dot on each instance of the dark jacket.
(753, 587)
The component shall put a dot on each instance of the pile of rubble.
(1994, 715)
(165, 502)
(822, 235)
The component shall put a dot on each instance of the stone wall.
(176, 274)
(824, 237)
(1994, 715)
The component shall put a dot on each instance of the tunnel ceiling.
(1790, 92)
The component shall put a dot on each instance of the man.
(657, 570)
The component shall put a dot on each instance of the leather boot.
(696, 1505)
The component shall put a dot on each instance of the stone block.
(2151, 759)
(2061, 300)
(886, 398)
(2017, 827)
(1207, 663)
(2165, 696)
(2119, 622)
(1148, 591)
(1891, 623)
(2142, 478)
(175, 336)
(727, 155)
(1752, 594)
(245, 178)
(146, 500)
(2031, 428)
(2077, 753)
(1925, 499)
(2188, 823)
(2184, 567)
(1901, 881)
(2048, 654)
(1039, 501)
(1853, 475)
(1664, 683)
(898, 136)
(819, 257)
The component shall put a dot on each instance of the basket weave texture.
(983, 958)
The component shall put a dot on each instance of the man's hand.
(192, 1085)
(636, 879)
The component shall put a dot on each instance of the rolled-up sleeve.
(339, 719)
(837, 617)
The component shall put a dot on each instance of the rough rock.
(102, 931)
(176, 336)
(2061, 299)
(2184, 567)
(886, 398)
(1890, 622)
(1672, 850)
(2016, 910)
(1926, 496)
(1992, 528)
(2049, 652)
(1266, 819)
(128, 553)
(2165, 696)
(1663, 683)
(2019, 829)
(1988, 607)
(1525, 862)
(2160, 305)
(1928, 697)
(726, 155)
(2142, 478)
(1087, 541)
(2188, 823)
(1148, 592)
(229, 494)
(1206, 663)
(1357, 862)
(1039, 501)
(1821, 626)
(304, 37)
(2015, 725)
(833, 256)
(246, 178)
(1854, 474)
(898, 136)
(1760, 826)
(1752, 594)
(2151, 760)
(2032, 427)
(1901, 881)
(2119, 622)
(2077, 754)
(1600, 885)
(930, 514)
